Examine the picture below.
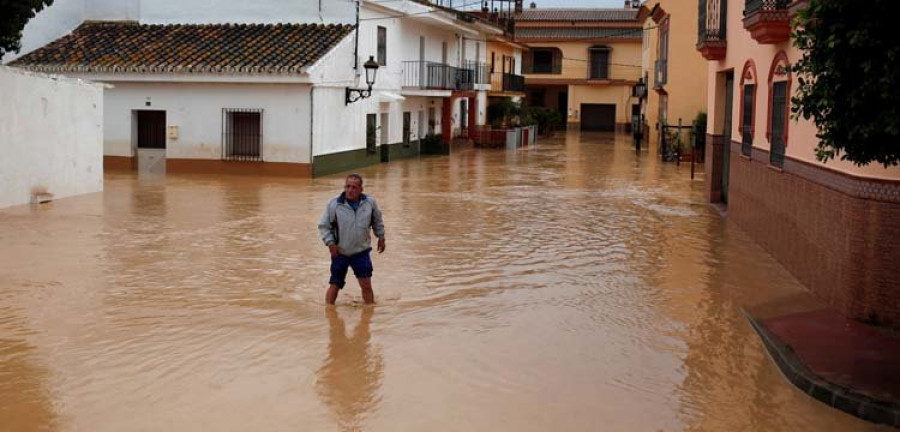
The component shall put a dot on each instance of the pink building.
(835, 226)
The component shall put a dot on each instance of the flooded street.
(572, 286)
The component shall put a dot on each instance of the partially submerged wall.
(51, 136)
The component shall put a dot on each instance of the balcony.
(480, 70)
(507, 82)
(428, 75)
(711, 40)
(768, 20)
(660, 72)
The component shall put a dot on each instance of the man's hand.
(333, 248)
(380, 245)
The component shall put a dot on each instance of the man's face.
(353, 189)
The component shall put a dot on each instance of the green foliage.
(547, 120)
(699, 130)
(848, 79)
(14, 14)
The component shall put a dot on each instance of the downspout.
(356, 41)
(312, 116)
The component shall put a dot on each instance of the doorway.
(150, 141)
(726, 133)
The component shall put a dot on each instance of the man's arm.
(378, 226)
(326, 231)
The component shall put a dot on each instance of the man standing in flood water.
(345, 230)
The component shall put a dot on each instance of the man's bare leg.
(332, 293)
(365, 284)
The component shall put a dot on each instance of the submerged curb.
(833, 395)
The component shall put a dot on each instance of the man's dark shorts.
(361, 263)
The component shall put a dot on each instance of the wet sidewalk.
(840, 362)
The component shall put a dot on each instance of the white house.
(229, 87)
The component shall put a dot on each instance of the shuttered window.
(747, 120)
(599, 63)
(382, 45)
(779, 117)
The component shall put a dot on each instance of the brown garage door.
(598, 117)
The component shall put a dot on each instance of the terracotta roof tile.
(194, 48)
(611, 15)
(528, 33)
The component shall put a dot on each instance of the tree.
(848, 79)
(15, 14)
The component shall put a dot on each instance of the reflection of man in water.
(345, 230)
(350, 379)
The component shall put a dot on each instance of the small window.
(542, 61)
(382, 45)
(747, 120)
(599, 63)
(242, 134)
(779, 120)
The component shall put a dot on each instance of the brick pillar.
(473, 115)
(446, 119)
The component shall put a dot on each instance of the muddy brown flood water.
(568, 287)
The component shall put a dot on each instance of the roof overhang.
(193, 78)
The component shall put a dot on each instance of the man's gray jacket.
(349, 228)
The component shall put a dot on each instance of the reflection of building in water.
(350, 379)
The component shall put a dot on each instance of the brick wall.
(839, 235)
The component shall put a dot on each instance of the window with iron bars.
(242, 134)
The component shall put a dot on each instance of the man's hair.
(356, 176)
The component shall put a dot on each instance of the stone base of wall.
(361, 158)
(837, 234)
(210, 166)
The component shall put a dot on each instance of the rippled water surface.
(572, 286)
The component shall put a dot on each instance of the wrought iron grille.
(779, 119)
(751, 6)
(242, 134)
(513, 83)
(711, 25)
(747, 121)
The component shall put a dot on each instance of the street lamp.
(637, 122)
(353, 95)
(640, 89)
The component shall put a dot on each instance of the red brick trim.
(787, 106)
(882, 190)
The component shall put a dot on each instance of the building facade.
(266, 91)
(583, 64)
(835, 226)
(675, 73)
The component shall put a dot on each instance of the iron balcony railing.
(711, 25)
(751, 6)
(513, 83)
(437, 76)
(660, 69)
(481, 71)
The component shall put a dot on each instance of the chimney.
(518, 6)
(627, 4)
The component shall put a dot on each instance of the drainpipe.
(312, 106)
(356, 41)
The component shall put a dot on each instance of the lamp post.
(353, 95)
(637, 125)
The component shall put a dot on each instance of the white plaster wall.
(50, 24)
(196, 109)
(51, 136)
(338, 128)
